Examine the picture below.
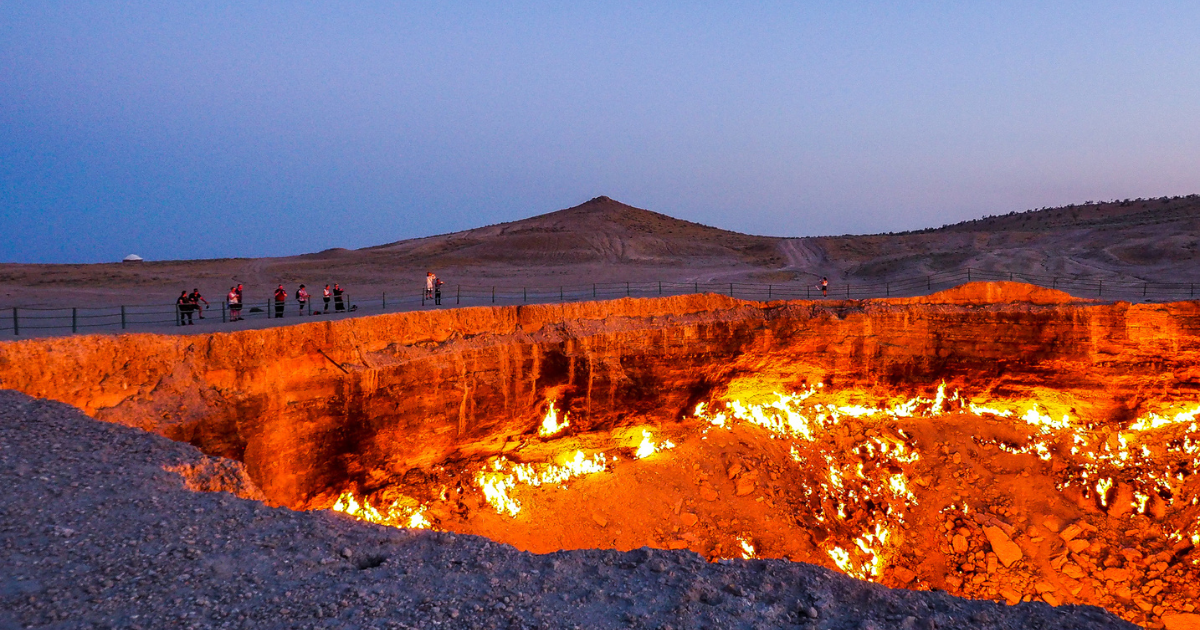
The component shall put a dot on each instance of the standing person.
(338, 304)
(430, 282)
(184, 306)
(824, 286)
(437, 291)
(196, 299)
(235, 304)
(280, 300)
(302, 298)
(326, 295)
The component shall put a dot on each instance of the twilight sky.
(195, 130)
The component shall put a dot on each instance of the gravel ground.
(99, 528)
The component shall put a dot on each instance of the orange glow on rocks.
(979, 441)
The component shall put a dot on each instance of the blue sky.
(197, 130)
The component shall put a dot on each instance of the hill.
(603, 240)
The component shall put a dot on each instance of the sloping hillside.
(604, 240)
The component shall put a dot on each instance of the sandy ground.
(103, 526)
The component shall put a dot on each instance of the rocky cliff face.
(308, 406)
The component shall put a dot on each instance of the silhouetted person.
(196, 299)
(338, 303)
(824, 286)
(280, 300)
(437, 291)
(326, 295)
(184, 305)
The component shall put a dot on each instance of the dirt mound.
(95, 531)
(993, 293)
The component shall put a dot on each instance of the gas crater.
(998, 441)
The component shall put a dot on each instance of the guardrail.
(20, 321)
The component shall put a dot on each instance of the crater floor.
(104, 526)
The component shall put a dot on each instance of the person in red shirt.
(280, 300)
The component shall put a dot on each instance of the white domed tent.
(132, 258)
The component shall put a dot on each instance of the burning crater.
(997, 441)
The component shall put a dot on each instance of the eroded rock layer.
(304, 406)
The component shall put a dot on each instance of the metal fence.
(27, 321)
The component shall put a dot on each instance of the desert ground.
(604, 240)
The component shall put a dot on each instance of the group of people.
(336, 295)
(433, 288)
(189, 304)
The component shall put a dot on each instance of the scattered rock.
(1007, 551)
(1181, 621)
(1070, 532)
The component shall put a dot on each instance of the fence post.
(626, 289)
(457, 294)
(16, 323)
(887, 289)
(847, 290)
(493, 295)
(1054, 283)
(1101, 287)
(768, 291)
(593, 290)
(806, 293)
(696, 287)
(1192, 290)
(222, 312)
(660, 287)
(560, 293)
(730, 289)
(422, 298)
(385, 300)
(1010, 276)
(524, 294)
(1145, 287)
(928, 283)
(123, 316)
(968, 274)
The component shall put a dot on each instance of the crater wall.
(309, 406)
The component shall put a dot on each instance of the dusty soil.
(103, 526)
(606, 241)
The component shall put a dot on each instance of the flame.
(504, 477)
(747, 548)
(1155, 421)
(550, 424)
(400, 513)
(648, 448)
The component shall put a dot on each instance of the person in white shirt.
(302, 298)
